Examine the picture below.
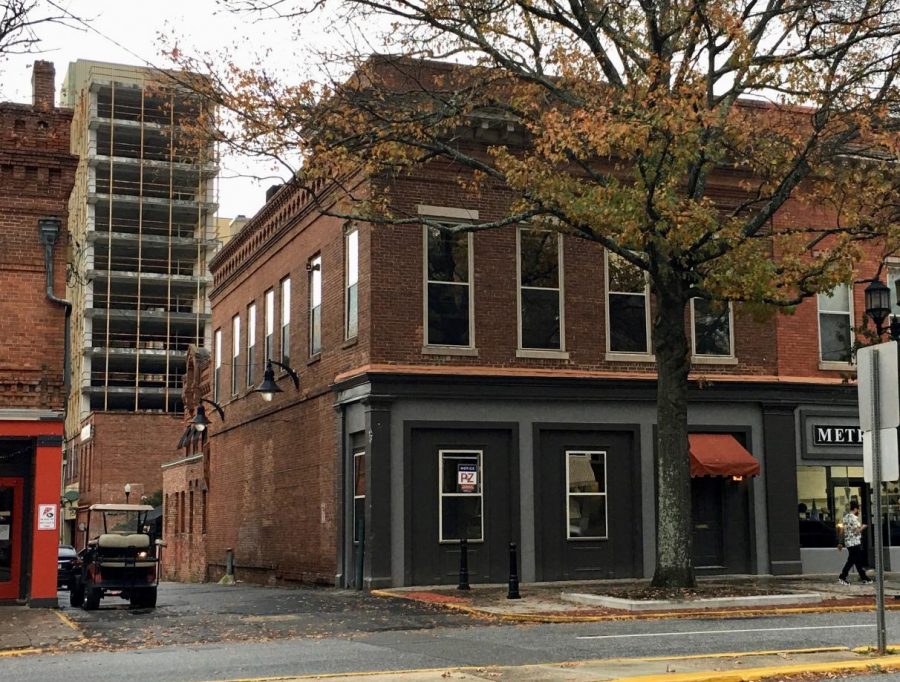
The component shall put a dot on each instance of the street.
(208, 632)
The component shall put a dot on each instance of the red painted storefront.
(30, 466)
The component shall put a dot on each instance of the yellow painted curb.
(19, 652)
(660, 615)
(67, 621)
(874, 664)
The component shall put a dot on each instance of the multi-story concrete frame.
(143, 226)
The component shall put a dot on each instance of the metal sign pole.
(876, 521)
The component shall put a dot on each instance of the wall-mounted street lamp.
(878, 307)
(200, 420)
(268, 388)
(127, 492)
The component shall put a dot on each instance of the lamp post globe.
(127, 492)
(268, 388)
(200, 421)
(878, 302)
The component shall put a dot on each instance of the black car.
(68, 566)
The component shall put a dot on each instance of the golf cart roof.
(121, 507)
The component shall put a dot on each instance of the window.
(359, 494)
(448, 305)
(286, 321)
(351, 245)
(835, 322)
(315, 306)
(235, 351)
(269, 339)
(627, 312)
(712, 327)
(540, 307)
(586, 495)
(251, 341)
(217, 374)
(460, 487)
(824, 494)
(893, 277)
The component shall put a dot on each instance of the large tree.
(672, 132)
(20, 21)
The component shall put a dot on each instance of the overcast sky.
(136, 32)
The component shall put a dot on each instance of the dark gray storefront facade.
(561, 467)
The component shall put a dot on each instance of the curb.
(875, 665)
(561, 617)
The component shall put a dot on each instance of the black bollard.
(463, 565)
(513, 573)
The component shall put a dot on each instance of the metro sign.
(824, 434)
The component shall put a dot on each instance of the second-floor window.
(351, 242)
(269, 340)
(712, 328)
(540, 277)
(235, 351)
(448, 299)
(286, 321)
(217, 373)
(835, 323)
(251, 341)
(315, 306)
(627, 309)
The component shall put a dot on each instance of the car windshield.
(67, 551)
(118, 522)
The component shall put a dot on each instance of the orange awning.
(719, 454)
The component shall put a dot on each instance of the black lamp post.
(268, 388)
(200, 420)
(878, 307)
(127, 492)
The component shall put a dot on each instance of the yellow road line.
(67, 621)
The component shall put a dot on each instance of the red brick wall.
(36, 177)
(184, 533)
(126, 447)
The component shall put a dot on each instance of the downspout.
(49, 229)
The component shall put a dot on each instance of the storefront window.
(461, 481)
(586, 495)
(823, 497)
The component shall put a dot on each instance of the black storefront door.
(707, 494)
(462, 486)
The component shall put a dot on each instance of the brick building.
(36, 176)
(435, 403)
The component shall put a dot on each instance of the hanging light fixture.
(268, 388)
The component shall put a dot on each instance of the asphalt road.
(201, 632)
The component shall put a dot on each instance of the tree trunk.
(674, 536)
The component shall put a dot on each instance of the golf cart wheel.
(92, 599)
(144, 598)
(76, 594)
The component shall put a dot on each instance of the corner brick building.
(36, 176)
(449, 388)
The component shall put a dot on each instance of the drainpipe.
(48, 231)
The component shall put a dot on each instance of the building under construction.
(142, 218)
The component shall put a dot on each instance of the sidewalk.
(26, 630)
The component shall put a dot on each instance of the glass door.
(10, 536)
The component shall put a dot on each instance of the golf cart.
(120, 557)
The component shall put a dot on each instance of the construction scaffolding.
(142, 218)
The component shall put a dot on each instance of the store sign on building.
(828, 434)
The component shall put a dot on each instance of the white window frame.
(646, 355)
(251, 341)
(604, 495)
(470, 254)
(217, 371)
(479, 454)
(235, 352)
(269, 329)
(351, 279)
(286, 321)
(315, 304)
(730, 358)
(560, 290)
(835, 364)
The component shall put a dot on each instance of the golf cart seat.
(135, 540)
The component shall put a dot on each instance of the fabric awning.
(719, 454)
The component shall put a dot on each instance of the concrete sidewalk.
(27, 630)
